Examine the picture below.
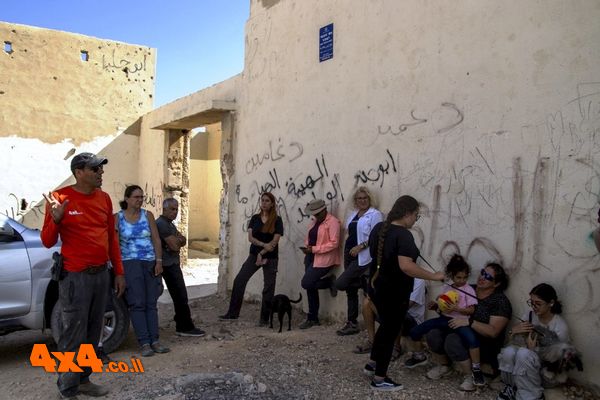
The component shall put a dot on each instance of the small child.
(458, 270)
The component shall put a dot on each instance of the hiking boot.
(309, 324)
(478, 379)
(227, 317)
(415, 361)
(508, 393)
(159, 348)
(438, 372)
(386, 385)
(146, 350)
(262, 323)
(91, 389)
(467, 384)
(103, 356)
(369, 369)
(349, 329)
(192, 332)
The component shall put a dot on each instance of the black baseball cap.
(83, 160)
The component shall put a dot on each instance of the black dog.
(282, 305)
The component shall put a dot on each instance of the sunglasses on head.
(487, 276)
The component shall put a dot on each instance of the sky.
(199, 42)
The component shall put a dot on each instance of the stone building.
(486, 112)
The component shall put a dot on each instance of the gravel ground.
(237, 360)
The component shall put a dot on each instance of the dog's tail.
(297, 301)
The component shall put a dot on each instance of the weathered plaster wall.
(35, 167)
(54, 105)
(49, 92)
(205, 184)
(487, 112)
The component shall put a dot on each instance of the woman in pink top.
(322, 253)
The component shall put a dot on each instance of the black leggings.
(391, 312)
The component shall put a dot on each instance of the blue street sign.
(326, 42)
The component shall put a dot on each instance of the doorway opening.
(205, 187)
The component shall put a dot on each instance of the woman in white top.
(521, 366)
(359, 224)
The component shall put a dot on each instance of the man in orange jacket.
(82, 215)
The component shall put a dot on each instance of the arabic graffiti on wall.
(22, 206)
(153, 194)
(487, 201)
(317, 180)
(125, 64)
(275, 152)
(443, 120)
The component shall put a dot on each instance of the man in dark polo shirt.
(172, 241)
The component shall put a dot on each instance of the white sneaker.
(467, 385)
(438, 372)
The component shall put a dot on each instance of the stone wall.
(63, 93)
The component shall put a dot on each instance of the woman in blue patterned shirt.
(142, 260)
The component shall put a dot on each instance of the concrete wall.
(486, 112)
(205, 184)
(53, 104)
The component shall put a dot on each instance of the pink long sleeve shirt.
(327, 249)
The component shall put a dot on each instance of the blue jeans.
(142, 295)
(466, 334)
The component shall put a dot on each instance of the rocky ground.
(235, 360)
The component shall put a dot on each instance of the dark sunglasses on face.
(487, 276)
(96, 168)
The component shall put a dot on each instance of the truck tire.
(116, 323)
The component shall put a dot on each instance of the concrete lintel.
(208, 112)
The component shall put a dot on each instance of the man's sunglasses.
(487, 276)
(93, 169)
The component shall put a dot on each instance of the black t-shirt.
(352, 240)
(496, 304)
(256, 225)
(166, 228)
(391, 281)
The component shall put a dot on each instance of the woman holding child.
(463, 306)
(489, 321)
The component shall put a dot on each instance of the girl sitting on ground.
(521, 363)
